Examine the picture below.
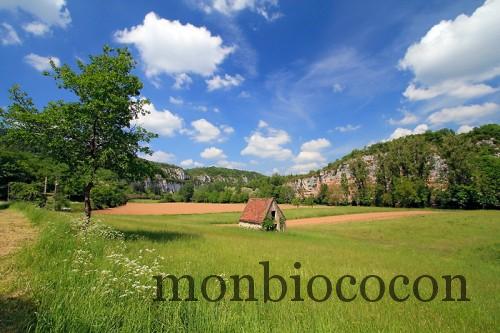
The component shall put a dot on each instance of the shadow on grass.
(157, 236)
(17, 314)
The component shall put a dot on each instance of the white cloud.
(465, 114)
(176, 101)
(226, 82)
(50, 12)
(455, 56)
(189, 163)
(162, 122)
(8, 35)
(160, 156)
(347, 128)
(181, 81)
(266, 8)
(401, 132)
(337, 87)
(408, 119)
(36, 28)
(310, 156)
(304, 167)
(464, 129)
(213, 153)
(267, 142)
(174, 48)
(227, 129)
(454, 89)
(244, 94)
(41, 63)
(204, 131)
(201, 108)
(315, 145)
(230, 164)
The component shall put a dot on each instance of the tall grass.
(100, 280)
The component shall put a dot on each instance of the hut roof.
(256, 210)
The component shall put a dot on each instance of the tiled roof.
(256, 210)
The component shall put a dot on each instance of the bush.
(4, 204)
(108, 194)
(27, 192)
(167, 197)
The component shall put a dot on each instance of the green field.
(102, 281)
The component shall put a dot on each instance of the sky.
(270, 85)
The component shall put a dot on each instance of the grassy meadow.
(100, 280)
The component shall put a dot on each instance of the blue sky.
(269, 85)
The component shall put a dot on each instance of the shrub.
(4, 204)
(268, 224)
(108, 194)
(27, 192)
(167, 197)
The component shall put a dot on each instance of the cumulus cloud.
(204, 131)
(8, 35)
(171, 47)
(36, 28)
(455, 57)
(41, 63)
(162, 122)
(408, 119)
(347, 128)
(160, 156)
(266, 8)
(189, 163)
(230, 164)
(310, 156)
(401, 132)
(181, 81)
(213, 153)
(464, 129)
(176, 101)
(50, 12)
(227, 81)
(454, 89)
(304, 167)
(267, 142)
(465, 114)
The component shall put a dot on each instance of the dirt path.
(17, 310)
(136, 208)
(348, 218)
(360, 217)
(15, 230)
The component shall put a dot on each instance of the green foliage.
(186, 192)
(27, 192)
(268, 224)
(95, 131)
(4, 205)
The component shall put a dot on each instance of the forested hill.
(438, 168)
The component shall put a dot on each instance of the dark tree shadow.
(158, 236)
(17, 314)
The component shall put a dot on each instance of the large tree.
(94, 131)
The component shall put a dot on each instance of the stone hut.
(259, 210)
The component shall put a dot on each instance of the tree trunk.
(86, 200)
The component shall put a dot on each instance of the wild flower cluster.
(115, 274)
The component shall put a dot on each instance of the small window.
(273, 214)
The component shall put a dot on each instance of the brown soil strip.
(348, 218)
(361, 217)
(136, 208)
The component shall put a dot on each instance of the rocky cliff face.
(310, 185)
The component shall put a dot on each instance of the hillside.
(436, 168)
